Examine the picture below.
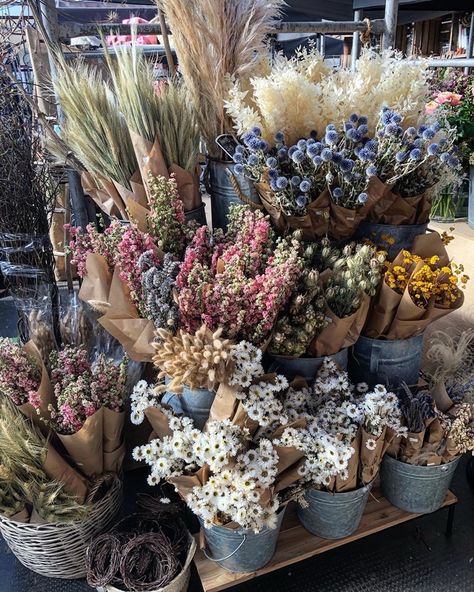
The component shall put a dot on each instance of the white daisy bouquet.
(225, 475)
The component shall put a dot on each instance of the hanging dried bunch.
(201, 360)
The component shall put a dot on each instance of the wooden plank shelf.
(296, 544)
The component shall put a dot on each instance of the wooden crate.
(296, 544)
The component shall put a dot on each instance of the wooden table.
(296, 544)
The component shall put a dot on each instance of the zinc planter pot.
(386, 361)
(307, 368)
(241, 550)
(333, 515)
(391, 238)
(413, 488)
(193, 403)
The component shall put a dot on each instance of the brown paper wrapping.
(370, 459)
(57, 469)
(351, 482)
(185, 483)
(105, 195)
(441, 397)
(340, 333)
(411, 446)
(396, 210)
(21, 516)
(226, 406)
(45, 390)
(313, 225)
(159, 422)
(85, 447)
(95, 288)
(114, 449)
(392, 443)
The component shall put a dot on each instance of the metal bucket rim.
(241, 531)
(200, 390)
(382, 339)
(419, 468)
(354, 493)
(306, 359)
(366, 224)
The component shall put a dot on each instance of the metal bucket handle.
(375, 358)
(238, 190)
(228, 556)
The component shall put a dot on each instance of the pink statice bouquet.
(20, 375)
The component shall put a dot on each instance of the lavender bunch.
(158, 284)
(416, 408)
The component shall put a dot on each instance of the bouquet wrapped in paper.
(418, 287)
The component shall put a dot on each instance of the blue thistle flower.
(363, 120)
(301, 201)
(280, 137)
(371, 155)
(317, 161)
(282, 153)
(387, 116)
(429, 134)
(239, 149)
(332, 136)
(326, 155)
(353, 117)
(238, 157)
(421, 129)
(312, 150)
(418, 143)
(253, 160)
(330, 126)
(363, 129)
(273, 185)
(295, 181)
(364, 154)
(396, 118)
(337, 193)
(346, 165)
(415, 154)
(305, 186)
(297, 156)
(271, 162)
(371, 170)
(371, 145)
(392, 129)
(239, 169)
(292, 150)
(301, 144)
(254, 143)
(401, 156)
(411, 131)
(353, 135)
(381, 133)
(256, 131)
(310, 141)
(272, 173)
(282, 182)
(444, 156)
(433, 149)
(453, 162)
(348, 126)
(247, 137)
(362, 198)
(263, 145)
(337, 157)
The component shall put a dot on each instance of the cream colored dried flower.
(461, 433)
(201, 360)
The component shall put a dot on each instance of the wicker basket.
(179, 583)
(59, 550)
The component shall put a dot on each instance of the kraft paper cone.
(427, 245)
(289, 476)
(149, 157)
(113, 460)
(382, 313)
(391, 208)
(159, 422)
(57, 469)
(434, 432)
(114, 448)
(188, 187)
(370, 459)
(21, 516)
(411, 446)
(340, 333)
(184, 484)
(96, 284)
(138, 188)
(105, 195)
(35, 518)
(440, 397)
(138, 215)
(392, 443)
(343, 222)
(226, 406)
(351, 482)
(45, 390)
(85, 447)
(128, 195)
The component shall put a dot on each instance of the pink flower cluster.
(82, 388)
(239, 282)
(443, 98)
(20, 375)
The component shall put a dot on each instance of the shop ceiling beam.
(68, 30)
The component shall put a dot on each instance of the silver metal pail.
(333, 515)
(414, 488)
(223, 191)
(198, 214)
(393, 238)
(386, 361)
(241, 550)
(307, 368)
(196, 404)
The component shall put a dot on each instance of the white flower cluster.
(259, 399)
(142, 397)
(331, 384)
(188, 448)
(234, 494)
(380, 408)
(325, 454)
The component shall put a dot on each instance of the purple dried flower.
(239, 169)
(415, 154)
(337, 193)
(282, 182)
(305, 186)
(301, 144)
(271, 162)
(363, 197)
(301, 201)
(326, 155)
(280, 137)
(332, 136)
(295, 181)
(297, 156)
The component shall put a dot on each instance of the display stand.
(296, 544)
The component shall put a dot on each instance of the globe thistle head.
(239, 149)
(364, 154)
(346, 165)
(362, 198)
(337, 157)
(371, 145)
(353, 135)
(363, 120)
(282, 183)
(444, 157)
(401, 156)
(256, 131)
(272, 173)
(297, 156)
(292, 150)
(392, 129)
(271, 162)
(337, 193)
(305, 186)
(418, 143)
(331, 136)
(312, 150)
(415, 154)
(301, 200)
(310, 141)
(371, 170)
(295, 181)
(280, 137)
(422, 129)
(396, 118)
(238, 157)
(282, 153)
(254, 143)
(317, 161)
(453, 162)
(301, 144)
(411, 131)
(253, 160)
(239, 169)
(433, 149)
(263, 145)
(326, 155)
(363, 129)
(353, 118)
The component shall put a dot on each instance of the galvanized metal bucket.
(198, 214)
(307, 368)
(391, 238)
(223, 193)
(413, 488)
(241, 550)
(333, 515)
(386, 361)
(196, 404)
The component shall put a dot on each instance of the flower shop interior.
(236, 296)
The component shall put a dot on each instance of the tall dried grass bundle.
(450, 357)
(216, 39)
(94, 128)
(151, 111)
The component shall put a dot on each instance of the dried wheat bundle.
(216, 39)
(201, 360)
(450, 357)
